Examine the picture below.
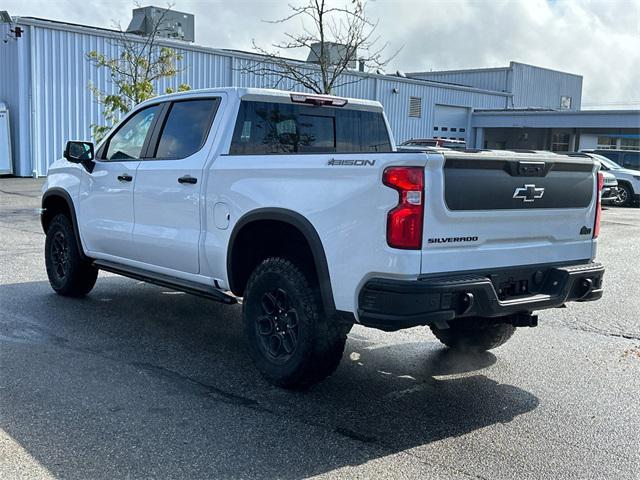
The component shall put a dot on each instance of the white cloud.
(599, 39)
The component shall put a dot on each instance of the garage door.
(450, 122)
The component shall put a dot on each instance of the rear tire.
(474, 333)
(69, 274)
(292, 343)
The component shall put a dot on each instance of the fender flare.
(299, 222)
(62, 193)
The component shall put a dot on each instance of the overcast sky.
(598, 39)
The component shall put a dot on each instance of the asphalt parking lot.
(136, 381)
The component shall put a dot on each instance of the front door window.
(128, 141)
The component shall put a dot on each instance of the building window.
(415, 107)
(461, 130)
(606, 143)
(565, 103)
(629, 144)
(560, 142)
(435, 129)
(445, 129)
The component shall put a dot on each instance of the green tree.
(141, 62)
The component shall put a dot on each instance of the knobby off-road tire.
(292, 343)
(474, 334)
(69, 275)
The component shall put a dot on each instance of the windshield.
(610, 164)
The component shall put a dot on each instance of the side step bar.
(166, 281)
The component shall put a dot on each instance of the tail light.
(596, 225)
(404, 222)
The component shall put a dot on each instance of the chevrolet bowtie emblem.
(528, 193)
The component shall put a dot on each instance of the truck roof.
(530, 154)
(267, 95)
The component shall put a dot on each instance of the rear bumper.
(395, 304)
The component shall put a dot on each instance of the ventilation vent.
(415, 107)
(167, 23)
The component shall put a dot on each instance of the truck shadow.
(138, 381)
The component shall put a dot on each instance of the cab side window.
(611, 156)
(186, 128)
(631, 160)
(129, 139)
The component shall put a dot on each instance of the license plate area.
(517, 283)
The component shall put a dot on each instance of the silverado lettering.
(452, 239)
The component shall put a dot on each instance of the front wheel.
(292, 343)
(625, 196)
(69, 274)
(474, 333)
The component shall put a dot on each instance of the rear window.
(277, 128)
(186, 128)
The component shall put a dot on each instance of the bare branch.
(327, 31)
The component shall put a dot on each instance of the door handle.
(125, 177)
(188, 179)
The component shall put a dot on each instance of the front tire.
(625, 196)
(474, 334)
(292, 343)
(69, 274)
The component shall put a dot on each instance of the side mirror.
(80, 152)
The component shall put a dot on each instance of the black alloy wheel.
(60, 255)
(278, 326)
(292, 341)
(70, 274)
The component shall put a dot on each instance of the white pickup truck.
(300, 207)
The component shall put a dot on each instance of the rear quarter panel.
(347, 206)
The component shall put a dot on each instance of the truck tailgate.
(496, 209)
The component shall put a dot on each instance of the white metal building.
(529, 86)
(44, 78)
